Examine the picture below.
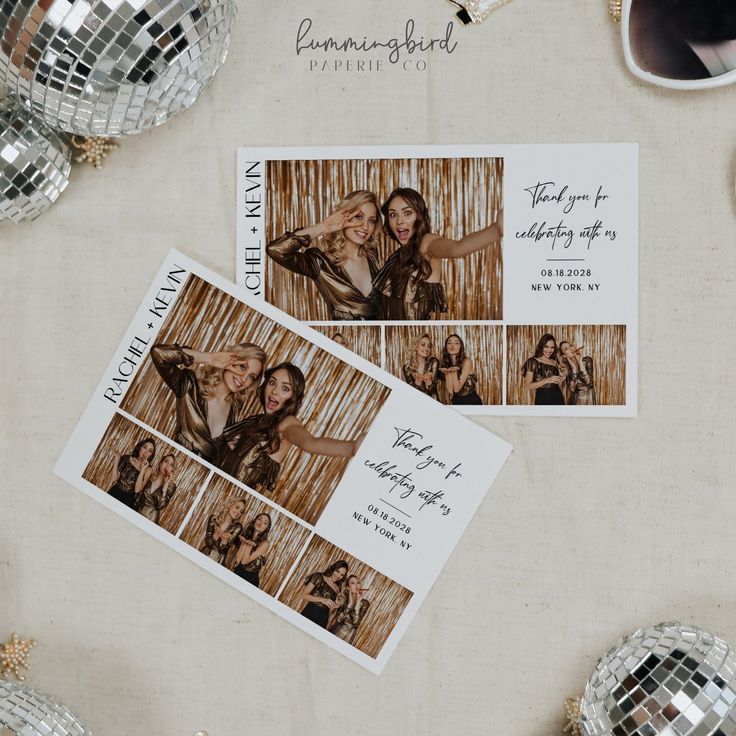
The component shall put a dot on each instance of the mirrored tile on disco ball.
(111, 67)
(28, 712)
(35, 163)
(669, 680)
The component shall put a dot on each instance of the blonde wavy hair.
(415, 346)
(224, 511)
(209, 377)
(333, 244)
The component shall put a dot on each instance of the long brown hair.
(267, 425)
(447, 358)
(250, 530)
(410, 259)
(542, 342)
(136, 451)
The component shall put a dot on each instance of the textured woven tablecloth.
(594, 528)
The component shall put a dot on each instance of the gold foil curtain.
(364, 340)
(483, 345)
(122, 436)
(463, 195)
(605, 344)
(339, 402)
(286, 537)
(387, 598)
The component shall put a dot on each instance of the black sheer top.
(321, 588)
(244, 456)
(127, 475)
(540, 371)
(430, 366)
(400, 297)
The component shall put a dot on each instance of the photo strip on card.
(277, 459)
(421, 259)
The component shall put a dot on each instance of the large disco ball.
(28, 712)
(34, 164)
(111, 67)
(668, 680)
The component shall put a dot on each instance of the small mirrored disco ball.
(34, 164)
(111, 67)
(28, 712)
(668, 680)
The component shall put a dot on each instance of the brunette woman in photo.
(542, 374)
(579, 379)
(409, 286)
(209, 396)
(155, 488)
(223, 530)
(457, 368)
(344, 265)
(254, 545)
(350, 611)
(126, 470)
(320, 592)
(422, 369)
(253, 449)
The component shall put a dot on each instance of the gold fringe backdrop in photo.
(287, 538)
(605, 344)
(339, 401)
(365, 340)
(463, 195)
(122, 436)
(483, 345)
(387, 598)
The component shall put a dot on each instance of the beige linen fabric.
(594, 526)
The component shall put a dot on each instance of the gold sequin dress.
(192, 430)
(346, 619)
(344, 300)
(580, 388)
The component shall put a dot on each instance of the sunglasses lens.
(683, 39)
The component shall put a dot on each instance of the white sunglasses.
(682, 44)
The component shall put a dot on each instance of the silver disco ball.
(111, 67)
(34, 164)
(28, 712)
(668, 680)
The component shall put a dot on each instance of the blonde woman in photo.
(209, 395)
(351, 609)
(155, 488)
(223, 530)
(344, 265)
(579, 378)
(422, 370)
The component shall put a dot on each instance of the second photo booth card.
(497, 279)
(278, 460)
